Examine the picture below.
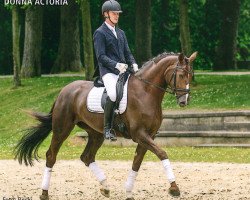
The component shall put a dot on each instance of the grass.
(208, 93)
(184, 154)
(216, 92)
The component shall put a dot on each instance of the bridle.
(171, 90)
(173, 77)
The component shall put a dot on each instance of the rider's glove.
(121, 67)
(135, 67)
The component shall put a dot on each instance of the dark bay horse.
(143, 117)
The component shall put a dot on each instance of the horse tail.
(27, 147)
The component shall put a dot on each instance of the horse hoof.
(44, 197)
(105, 192)
(174, 191)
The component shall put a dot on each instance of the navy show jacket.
(110, 50)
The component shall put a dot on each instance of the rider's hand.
(121, 67)
(135, 67)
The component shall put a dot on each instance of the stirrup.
(108, 135)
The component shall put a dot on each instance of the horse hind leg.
(60, 133)
(95, 141)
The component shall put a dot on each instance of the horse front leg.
(147, 142)
(129, 185)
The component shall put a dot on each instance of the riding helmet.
(111, 5)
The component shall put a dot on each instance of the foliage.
(165, 27)
(204, 27)
(5, 40)
(244, 30)
(205, 19)
(51, 34)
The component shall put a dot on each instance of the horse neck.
(154, 73)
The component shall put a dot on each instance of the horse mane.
(163, 55)
(157, 58)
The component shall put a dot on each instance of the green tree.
(31, 64)
(205, 21)
(204, 18)
(51, 36)
(6, 50)
(165, 26)
(244, 32)
(16, 46)
(184, 28)
(87, 40)
(227, 48)
(68, 56)
(143, 32)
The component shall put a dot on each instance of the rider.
(113, 56)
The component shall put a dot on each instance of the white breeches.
(110, 81)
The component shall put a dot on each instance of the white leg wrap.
(187, 87)
(46, 178)
(97, 171)
(104, 185)
(168, 170)
(129, 194)
(129, 185)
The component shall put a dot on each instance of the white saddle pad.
(95, 96)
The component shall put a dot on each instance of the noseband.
(169, 89)
(174, 90)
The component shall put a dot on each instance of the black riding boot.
(108, 120)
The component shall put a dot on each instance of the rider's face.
(114, 17)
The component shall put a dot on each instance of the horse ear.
(181, 57)
(192, 57)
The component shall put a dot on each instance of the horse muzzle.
(183, 100)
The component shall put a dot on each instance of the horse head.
(178, 76)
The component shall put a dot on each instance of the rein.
(169, 89)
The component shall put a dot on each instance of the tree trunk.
(16, 46)
(184, 28)
(68, 56)
(87, 40)
(143, 32)
(185, 38)
(226, 51)
(31, 65)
